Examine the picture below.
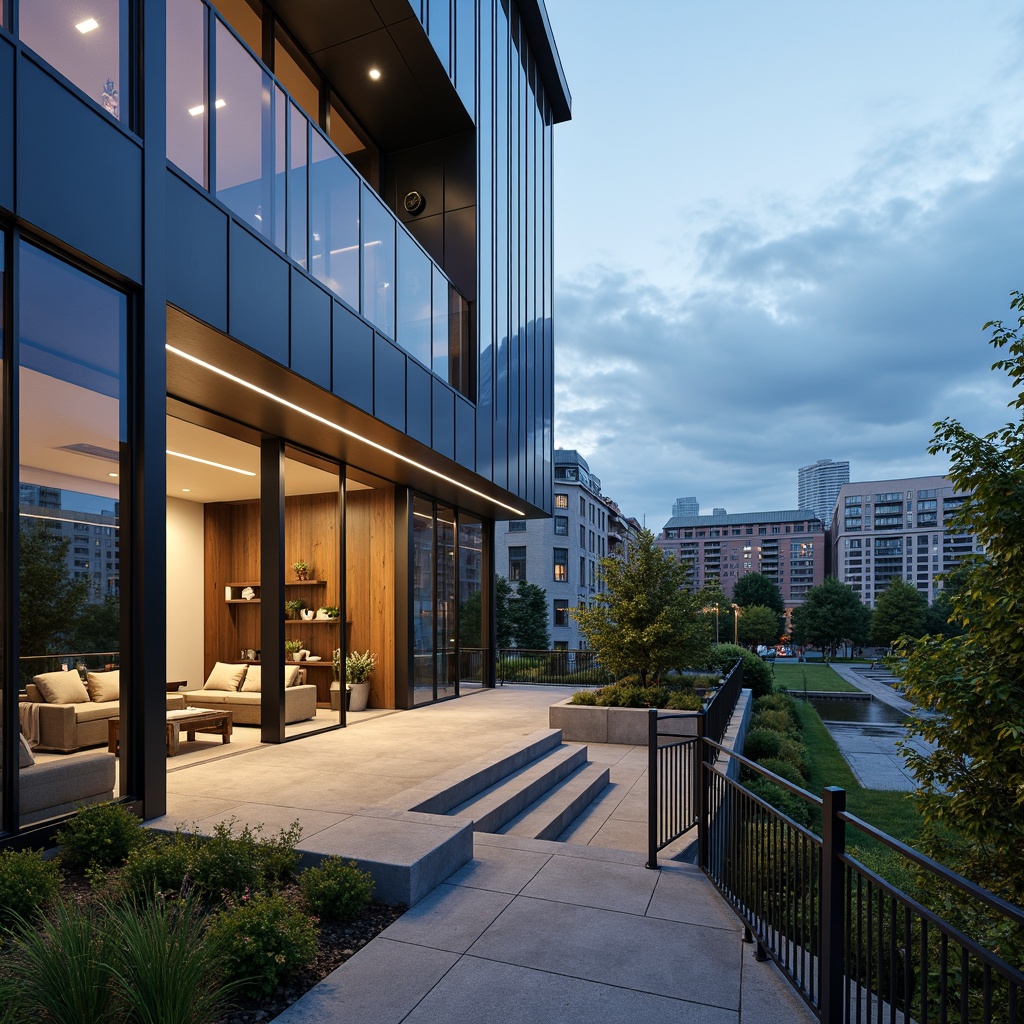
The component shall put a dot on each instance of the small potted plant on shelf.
(301, 569)
(293, 607)
(330, 611)
(294, 648)
(358, 669)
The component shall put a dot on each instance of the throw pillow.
(103, 686)
(62, 688)
(25, 755)
(253, 679)
(292, 675)
(225, 677)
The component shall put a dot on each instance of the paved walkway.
(528, 931)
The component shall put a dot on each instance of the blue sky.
(779, 230)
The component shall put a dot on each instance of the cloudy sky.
(779, 230)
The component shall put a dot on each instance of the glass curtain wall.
(446, 621)
(423, 614)
(472, 634)
(71, 456)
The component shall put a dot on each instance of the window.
(561, 526)
(583, 571)
(516, 564)
(583, 506)
(561, 565)
(561, 501)
(561, 614)
(583, 536)
(517, 526)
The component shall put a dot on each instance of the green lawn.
(816, 677)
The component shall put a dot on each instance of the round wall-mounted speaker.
(414, 202)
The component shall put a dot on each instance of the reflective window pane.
(88, 45)
(242, 121)
(472, 634)
(243, 19)
(423, 600)
(439, 361)
(446, 652)
(334, 219)
(280, 168)
(296, 76)
(378, 247)
(186, 87)
(414, 273)
(297, 187)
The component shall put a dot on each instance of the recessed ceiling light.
(375, 73)
(207, 462)
(88, 25)
(114, 475)
(186, 490)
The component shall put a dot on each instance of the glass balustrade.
(284, 178)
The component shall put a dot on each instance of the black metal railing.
(550, 668)
(673, 796)
(88, 661)
(854, 945)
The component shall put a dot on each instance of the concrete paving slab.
(452, 917)
(621, 834)
(604, 946)
(381, 984)
(683, 893)
(476, 991)
(766, 997)
(593, 853)
(604, 886)
(499, 869)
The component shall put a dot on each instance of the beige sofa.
(238, 689)
(63, 714)
(60, 787)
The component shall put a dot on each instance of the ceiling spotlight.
(375, 73)
(114, 475)
(87, 26)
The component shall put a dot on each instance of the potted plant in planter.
(301, 569)
(358, 669)
(293, 647)
(293, 607)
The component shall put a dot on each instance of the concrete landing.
(543, 933)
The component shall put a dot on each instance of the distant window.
(561, 526)
(561, 501)
(561, 565)
(517, 526)
(561, 614)
(517, 564)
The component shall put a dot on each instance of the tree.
(939, 616)
(528, 612)
(759, 625)
(505, 628)
(647, 620)
(970, 688)
(50, 598)
(98, 626)
(899, 611)
(756, 589)
(831, 614)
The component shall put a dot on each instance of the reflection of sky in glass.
(69, 339)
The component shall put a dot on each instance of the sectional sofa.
(238, 689)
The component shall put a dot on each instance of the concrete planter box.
(584, 723)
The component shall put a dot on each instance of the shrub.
(780, 702)
(101, 835)
(261, 939)
(776, 721)
(160, 867)
(757, 676)
(783, 769)
(762, 743)
(795, 753)
(28, 885)
(782, 800)
(588, 697)
(336, 890)
(229, 862)
(684, 700)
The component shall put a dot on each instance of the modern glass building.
(276, 317)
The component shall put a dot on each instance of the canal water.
(861, 712)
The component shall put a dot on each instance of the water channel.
(862, 712)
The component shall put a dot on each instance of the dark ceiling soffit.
(542, 42)
(200, 388)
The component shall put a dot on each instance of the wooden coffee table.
(188, 721)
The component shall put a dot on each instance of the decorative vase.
(358, 696)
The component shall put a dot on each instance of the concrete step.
(509, 797)
(552, 814)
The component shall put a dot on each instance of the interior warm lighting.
(186, 490)
(256, 389)
(197, 110)
(88, 25)
(375, 74)
(207, 462)
(114, 475)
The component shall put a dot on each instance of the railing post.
(701, 780)
(833, 848)
(652, 788)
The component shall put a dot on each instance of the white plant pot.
(360, 694)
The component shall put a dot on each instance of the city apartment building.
(787, 547)
(561, 554)
(886, 529)
(275, 292)
(818, 487)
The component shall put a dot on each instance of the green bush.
(28, 885)
(783, 769)
(780, 701)
(762, 743)
(683, 700)
(262, 939)
(336, 890)
(101, 836)
(588, 697)
(234, 862)
(160, 867)
(794, 752)
(776, 721)
(782, 800)
(757, 676)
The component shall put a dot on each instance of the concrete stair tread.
(554, 812)
(506, 799)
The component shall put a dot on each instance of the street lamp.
(736, 612)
